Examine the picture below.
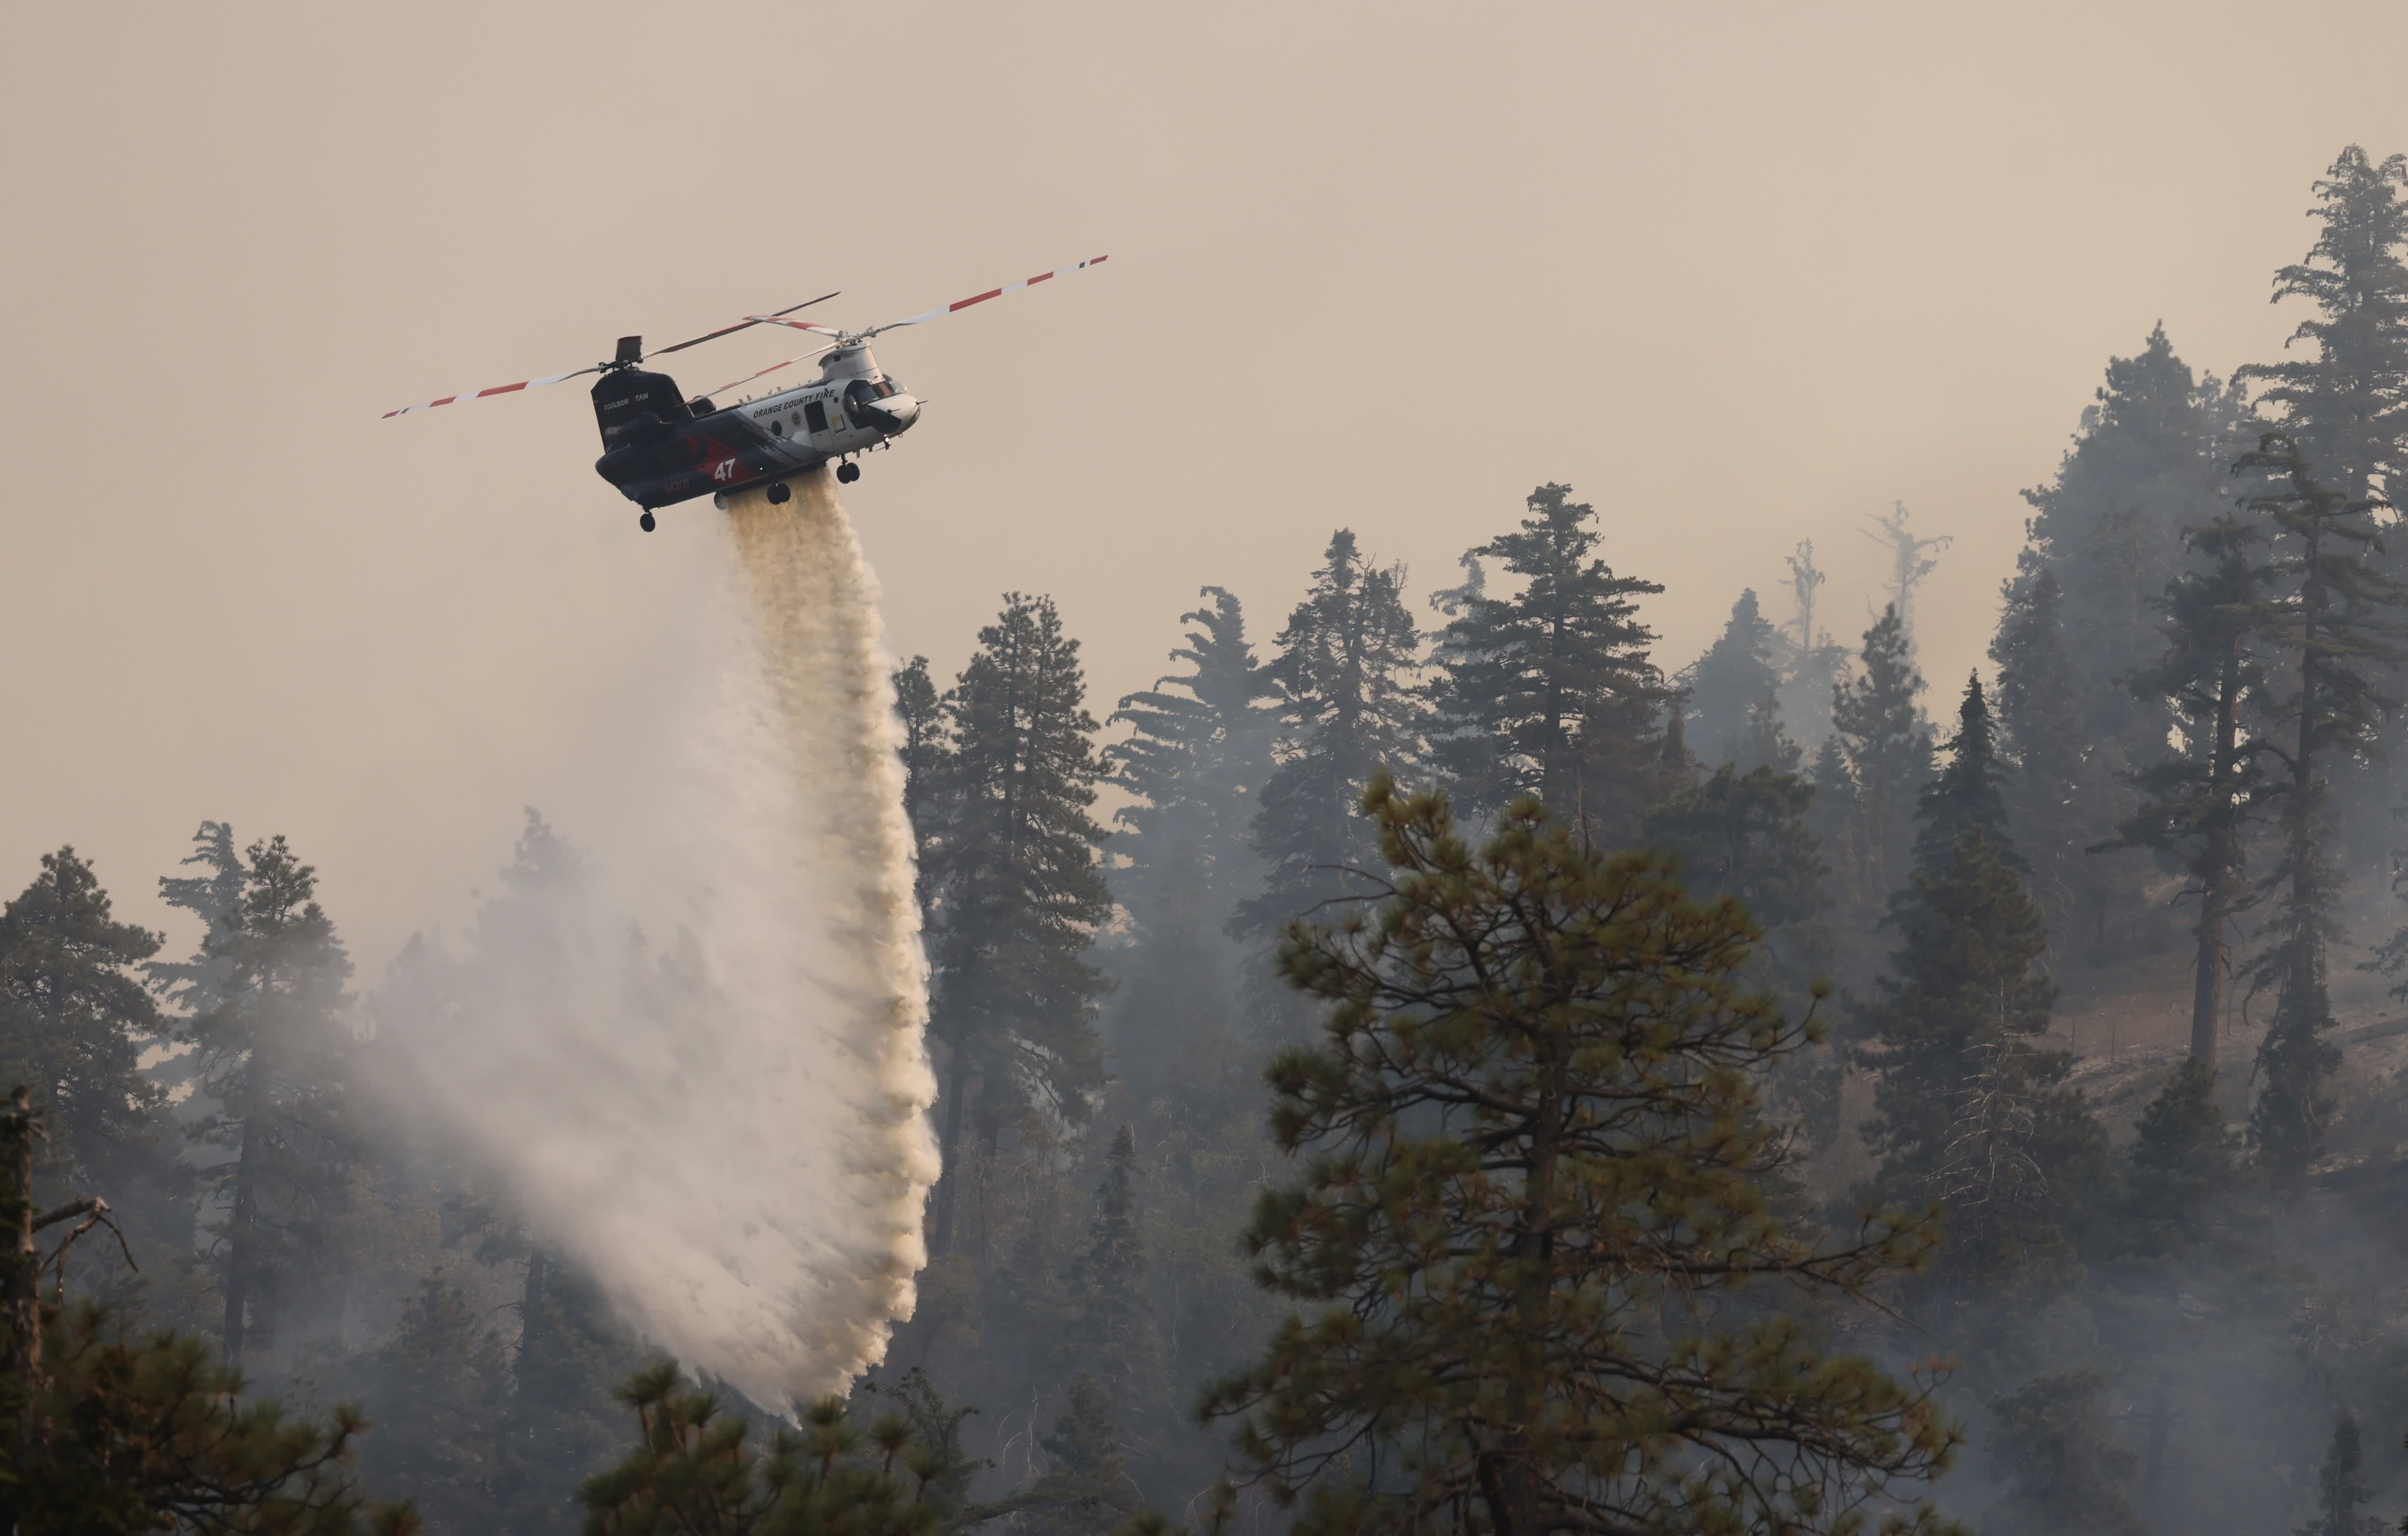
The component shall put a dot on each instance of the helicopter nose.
(900, 411)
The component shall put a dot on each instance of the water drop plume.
(729, 1130)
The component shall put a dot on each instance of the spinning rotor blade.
(771, 369)
(624, 357)
(933, 314)
(743, 324)
(498, 388)
(982, 298)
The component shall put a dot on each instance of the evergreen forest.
(1432, 1062)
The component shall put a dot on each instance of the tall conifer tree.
(1888, 745)
(1968, 1108)
(2150, 460)
(1349, 705)
(2055, 1449)
(274, 1057)
(1022, 888)
(1968, 793)
(1553, 692)
(1111, 1333)
(1198, 750)
(928, 753)
(1534, 1144)
(75, 1020)
(2347, 407)
(1966, 978)
(2197, 796)
(2058, 804)
(438, 1397)
(1731, 685)
(2344, 407)
(2340, 632)
(1835, 818)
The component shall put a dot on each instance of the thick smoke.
(729, 1130)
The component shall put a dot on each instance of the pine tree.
(1744, 835)
(694, 1471)
(1111, 1335)
(1553, 693)
(1087, 1490)
(1199, 749)
(104, 1429)
(1730, 685)
(2057, 806)
(1349, 706)
(202, 984)
(2341, 629)
(2341, 1484)
(928, 752)
(2057, 1450)
(571, 1355)
(1965, 980)
(438, 1395)
(1022, 891)
(2152, 458)
(1834, 817)
(1530, 1156)
(2184, 1157)
(1968, 1110)
(2197, 797)
(1176, 1013)
(272, 1058)
(75, 1020)
(1966, 795)
(1888, 745)
(2346, 407)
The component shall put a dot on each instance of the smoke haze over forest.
(1745, 270)
(971, 949)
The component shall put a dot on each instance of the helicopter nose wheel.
(646, 522)
(848, 472)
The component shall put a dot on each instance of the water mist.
(729, 1134)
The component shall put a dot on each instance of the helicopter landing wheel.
(779, 492)
(646, 522)
(848, 472)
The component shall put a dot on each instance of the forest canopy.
(1431, 1061)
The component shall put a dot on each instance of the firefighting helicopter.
(659, 447)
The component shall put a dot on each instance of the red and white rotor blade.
(799, 325)
(990, 294)
(498, 388)
(771, 369)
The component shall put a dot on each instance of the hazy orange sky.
(1742, 275)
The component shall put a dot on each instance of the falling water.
(742, 1166)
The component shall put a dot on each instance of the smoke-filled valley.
(1443, 1057)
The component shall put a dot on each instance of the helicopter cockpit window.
(857, 396)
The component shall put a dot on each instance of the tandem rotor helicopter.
(659, 447)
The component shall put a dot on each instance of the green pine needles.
(1546, 1288)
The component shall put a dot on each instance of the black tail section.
(633, 406)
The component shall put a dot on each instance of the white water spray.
(742, 1167)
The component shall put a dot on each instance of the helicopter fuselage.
(660, 449)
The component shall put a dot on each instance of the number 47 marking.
(724, 470)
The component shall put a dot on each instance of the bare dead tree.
(1909, 562)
